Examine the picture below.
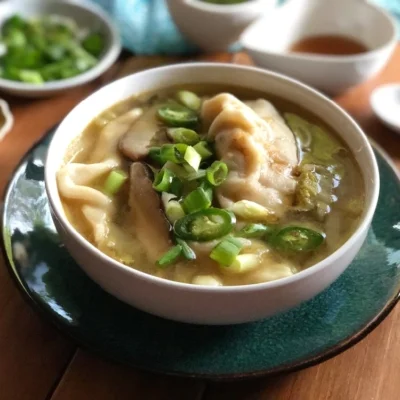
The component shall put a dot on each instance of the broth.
(124, 244)
(336, 45)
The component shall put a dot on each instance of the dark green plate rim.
(335, 350)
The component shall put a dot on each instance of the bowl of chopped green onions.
(48, 46)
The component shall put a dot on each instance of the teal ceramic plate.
(321, 328)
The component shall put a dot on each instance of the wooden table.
(39, 363)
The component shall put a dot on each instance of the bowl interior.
(150, 80)
(297, 19)
(87, 16)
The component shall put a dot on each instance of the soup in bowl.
(211, 193)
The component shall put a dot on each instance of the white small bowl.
(268, 41)
(214, 27)
(85, 14)
(385, 102)
(201, 304)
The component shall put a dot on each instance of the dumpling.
(73, 183)
(75, 179)
(259, 149)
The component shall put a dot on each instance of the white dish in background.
(214, 27)
(205, 304)
(385, 102)
(269, 39)
(86, 15)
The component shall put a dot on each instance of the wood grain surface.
(38, 363)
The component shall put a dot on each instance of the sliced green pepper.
(177, 115)
(296, 239)
(205, 225)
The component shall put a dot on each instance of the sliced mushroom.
(147, 217)
(143, 134)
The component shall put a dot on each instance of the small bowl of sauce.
(331, 45)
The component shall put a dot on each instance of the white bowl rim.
(329, 58)
(52, 191)
(108, 58)
(225, 8)
(385, 118)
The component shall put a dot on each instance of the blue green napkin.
(147, 28)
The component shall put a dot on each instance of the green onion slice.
(226, 251)
(217, 173)
(170, 256)
(114, 181)
(196, 200)
(243, 263)
(163, 180)
(208, 189)
(255, 231)
(199, 174)
(183, 135)
(187, 252)
(192, 157)
(176, 187)
(205, 225)
(174, 211)
(177, 115)
(189, 99)
(297, 239)
(155, 155)
(173, 152)
(203, 149)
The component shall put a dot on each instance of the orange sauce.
(328, 44)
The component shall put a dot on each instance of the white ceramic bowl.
(269, 39)
(214, 27)
(385, 101)
(200, 304)
(87, 15)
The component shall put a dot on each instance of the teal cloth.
(147, 28)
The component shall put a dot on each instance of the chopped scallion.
(114, 181)
(201, 173)
(176, 186)
(217, 173)
(192, 157)
(178, 170)
(249, 210)
(203, 149)
(208, 189)
(174, 211)
(196, 200)
(155, 155)
(226, 251)
(255, 231)
(187, 252)
(189, 99)
(170, 256)
(171, 152)
(162, 181)
(183, 135)
(243, 263)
